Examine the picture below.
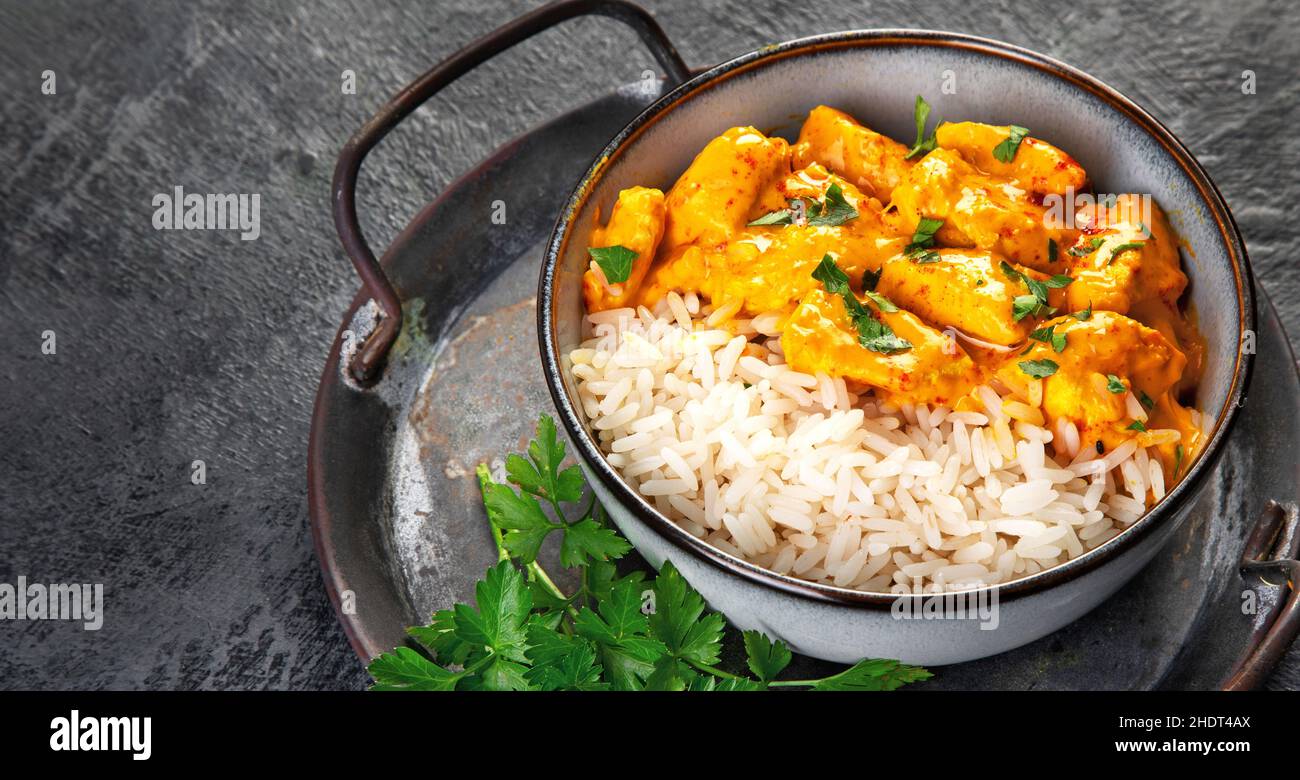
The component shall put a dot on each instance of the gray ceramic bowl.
(875, 76)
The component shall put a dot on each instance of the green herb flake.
(1115, 384)
(1006, 151)
(1086, 248)
(922, 240)
(615, 261)
(1085, 315)
(924, 143)
(1178, 459)
(1052, 250)
(1038, 369)
(882, 303)
(1117, 251)
(1146, 400)
(1137, 426)
(834, 210)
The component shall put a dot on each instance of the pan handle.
(369, 356)
(1270, 556)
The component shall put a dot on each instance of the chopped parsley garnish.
(615, 261)
(1146, 399)
(1137, 426)
(1049, 335)
(1038, 369)
(1006, 151)
(1052, 250)
(924, 143)
(623, 632)
(873, 334)
(832, 211)
(1035, 304)
(882, 303)
(922, 240)
(778, 217)
(1178, 459)
(1085, 315)
(1123, 248)
(1146, 231)
(1086, 249)
(1115, 384)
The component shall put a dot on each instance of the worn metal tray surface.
(398, 519)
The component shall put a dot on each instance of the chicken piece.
(769, 268)
(965, 289)
(1127, 261)
(873, 162)
(979, 210)
(711, 200)
(1126, 255)
(1037, 166)
(1105, 344)
(637, 223)
(819, 336)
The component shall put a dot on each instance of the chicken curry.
(921, 273)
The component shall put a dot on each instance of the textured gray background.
(175, 346)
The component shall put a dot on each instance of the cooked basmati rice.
(800, 475)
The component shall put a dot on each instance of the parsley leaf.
(1085, 249)
(497, 623)
(835, 210)
(1049, 335)
(1038, 369)
(677, 623)
(832, 211)
(1137, 425)
(924, 143)
(873, 675)
(1115, 384)
(1178, 459)
(406, 670)
(922, 240)
(1085, 315)
(1123, 248)
(778, 217)
(1006, 151)
(765, 657)
(882, 303)
(1146, 400)
(615, 261)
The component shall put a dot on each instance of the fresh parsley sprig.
(924, 143)
(616, 632)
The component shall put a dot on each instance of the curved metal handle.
(370, 355)
(1271, 550)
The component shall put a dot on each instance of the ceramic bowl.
(875, 75)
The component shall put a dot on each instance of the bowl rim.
(1184, 492)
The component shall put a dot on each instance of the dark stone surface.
(182, 345)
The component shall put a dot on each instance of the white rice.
(699, 412)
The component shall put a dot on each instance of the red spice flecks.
(1093, 228)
